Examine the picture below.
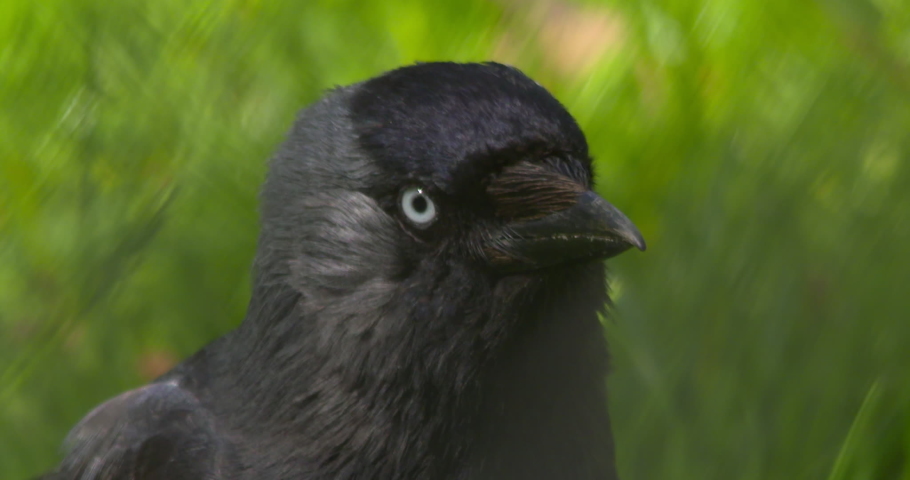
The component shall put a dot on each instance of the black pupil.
(419, 203)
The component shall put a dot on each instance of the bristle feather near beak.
(527, 191)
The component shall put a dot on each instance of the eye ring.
(417, 206)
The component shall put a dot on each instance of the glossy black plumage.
(377, 349)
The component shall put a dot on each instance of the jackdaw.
(426, 303)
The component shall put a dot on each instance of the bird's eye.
(418, 207)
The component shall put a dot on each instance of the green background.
(761, 146)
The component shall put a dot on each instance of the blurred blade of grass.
(848, 450)
(114, 266)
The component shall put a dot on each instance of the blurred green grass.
(762, 147)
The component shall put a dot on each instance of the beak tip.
(634, 238)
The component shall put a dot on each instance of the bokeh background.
(761, 146)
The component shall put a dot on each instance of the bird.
(427, 294)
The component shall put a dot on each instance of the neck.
(544, 409)
(441, 387)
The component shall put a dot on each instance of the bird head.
(437, 163)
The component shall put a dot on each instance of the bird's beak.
(592, 229)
